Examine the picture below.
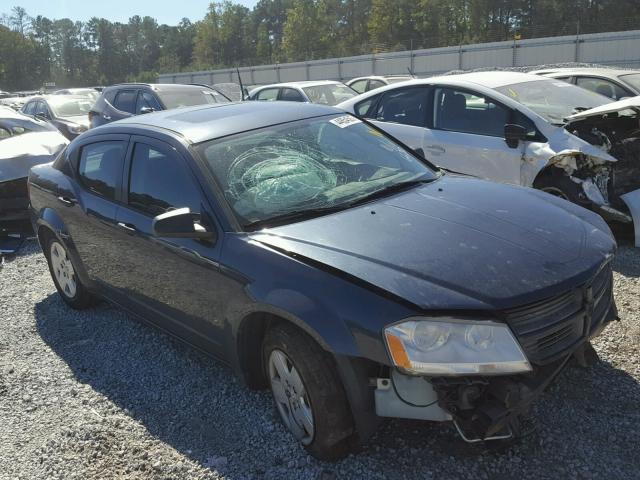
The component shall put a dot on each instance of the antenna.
(240, 82)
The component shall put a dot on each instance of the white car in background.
(324, 92)
(518, 128)
(365, 84)
(616, 84)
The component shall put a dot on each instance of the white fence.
(613, 48)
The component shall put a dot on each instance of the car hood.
(632, 103)
(78, 119)
(455, 244)
(18, 154)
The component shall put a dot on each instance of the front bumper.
(14, 207)
(483, 408)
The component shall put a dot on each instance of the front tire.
(64, 276)
(309, 396)
(560, 185)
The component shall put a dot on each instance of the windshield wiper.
(305, 214)
(391, 189)
(295, 215)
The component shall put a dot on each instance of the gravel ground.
(98, 395)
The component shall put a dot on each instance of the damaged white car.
(521, 129)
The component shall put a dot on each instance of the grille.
(549, 328)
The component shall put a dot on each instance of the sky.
(165, 11)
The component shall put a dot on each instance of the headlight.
(455, 347)
(77, 129)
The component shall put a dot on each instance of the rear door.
(467, 135)
(403, 113)
(175, 282)
(90, 209)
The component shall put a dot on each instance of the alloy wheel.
(63, 269)
(291, 397)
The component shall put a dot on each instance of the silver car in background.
(615, 84)
(323, 92)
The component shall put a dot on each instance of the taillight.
(91, 115)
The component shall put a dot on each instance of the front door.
(175, 282)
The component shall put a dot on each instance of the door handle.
(127, 226)
(67, 201)
(436, 148)
(106, 117)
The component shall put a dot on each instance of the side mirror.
(513, 134)
(144, 110)
(179, 223)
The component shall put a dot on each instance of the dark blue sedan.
(321, 258)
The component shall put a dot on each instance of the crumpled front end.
(613, 188)
(490, 406)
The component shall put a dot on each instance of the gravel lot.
(99, 395)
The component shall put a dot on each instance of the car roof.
(161, 87)
(605, 72)
(206, 122)
(54, 96)
(486, 79)
(307, 83)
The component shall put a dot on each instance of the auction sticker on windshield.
(345, 121)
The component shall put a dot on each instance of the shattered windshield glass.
(307, 165)
(554, 100)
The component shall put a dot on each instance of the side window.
(146, 100)
(373, 84)
(521, 119)
(291, 95)
(159, 181)
(126, 101)
(363, 109)
(30, 108)
(406, 106)
(109, 95)
(4, 133)
(360, 86)
(101, 167)
(269, 94)
(462, 111)
(41, 109)
(603, 87)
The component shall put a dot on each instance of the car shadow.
(195, 405)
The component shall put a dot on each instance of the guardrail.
(611, 48)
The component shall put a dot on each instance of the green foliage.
(99, 52)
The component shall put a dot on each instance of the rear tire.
(309, 395)
(64, 275)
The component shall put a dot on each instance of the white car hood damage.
(18, 154)
(632, 103)
(562, 150)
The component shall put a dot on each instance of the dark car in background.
(129, 99)
(319, 257)
(68, 113)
